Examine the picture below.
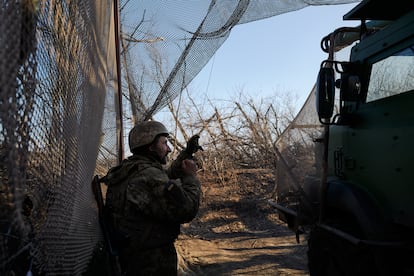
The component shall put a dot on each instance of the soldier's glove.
(175, 170)
(192, 145)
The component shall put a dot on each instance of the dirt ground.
(237, 232)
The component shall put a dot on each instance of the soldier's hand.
(192, 144)
(189, 167)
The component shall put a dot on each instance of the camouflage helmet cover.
(144, 133)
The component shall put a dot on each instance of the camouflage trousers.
(154, 261)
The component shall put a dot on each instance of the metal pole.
(120, 124)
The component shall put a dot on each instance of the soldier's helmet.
(144, 133)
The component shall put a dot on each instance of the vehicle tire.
(331, 255)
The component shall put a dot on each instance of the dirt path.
(238, 233)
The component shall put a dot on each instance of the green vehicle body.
(371, 146)
(361, 221)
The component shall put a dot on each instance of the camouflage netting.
(59, 107)
(57, 64)
(300, 154)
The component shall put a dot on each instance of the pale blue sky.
(279, 54)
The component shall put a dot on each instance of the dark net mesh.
(59, 107)
(56, 68)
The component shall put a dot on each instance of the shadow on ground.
(236, 232)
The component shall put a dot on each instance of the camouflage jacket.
(145, 205)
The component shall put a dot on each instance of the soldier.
(146, 203)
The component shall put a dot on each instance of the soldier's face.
(161, 148)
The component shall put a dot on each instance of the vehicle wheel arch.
(348, 198)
